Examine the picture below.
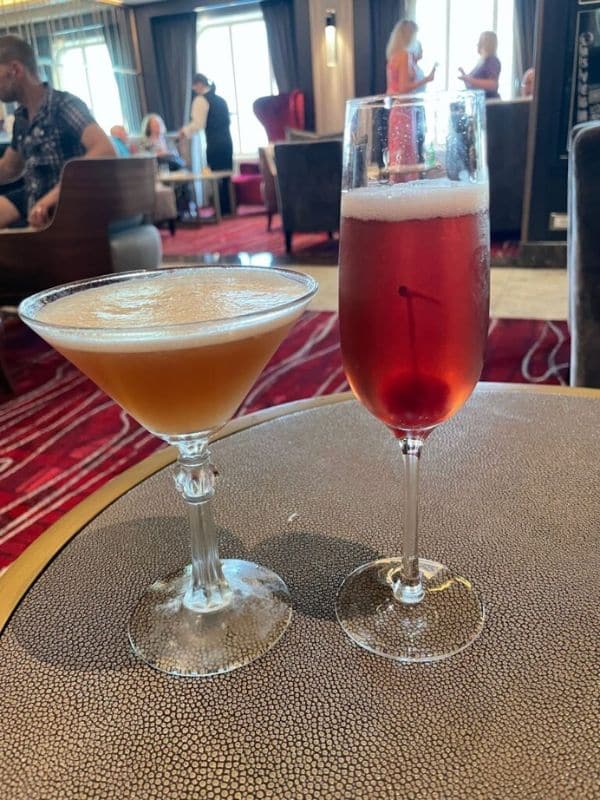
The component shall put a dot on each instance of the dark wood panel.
(552, 117)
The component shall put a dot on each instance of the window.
(233, 52)
(453, 44)
(84, 68)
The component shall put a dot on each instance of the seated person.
(154, 141)
(120, 141)
(528, 83)
(50, 128)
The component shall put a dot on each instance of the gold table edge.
(23, 572)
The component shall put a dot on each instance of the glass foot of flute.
(437, 617)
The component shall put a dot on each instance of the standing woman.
(210, 113)
(485, 75)
(402, 78)
(401, 67)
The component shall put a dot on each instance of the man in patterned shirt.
(50, 128)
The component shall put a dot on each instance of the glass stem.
(408, 586)
(194, 478)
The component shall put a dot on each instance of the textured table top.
(509, 497)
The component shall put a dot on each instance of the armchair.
(507, 123)
(246, 185)
(309, 179)
(583, 247)
(280, 111)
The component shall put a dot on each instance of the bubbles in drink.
(415, 200)
(179, 350)
(171, 310)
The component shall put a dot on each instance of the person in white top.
(210, 113)
(198, 112)
(419, 74)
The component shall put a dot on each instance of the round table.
(211, 177)
(509, 498)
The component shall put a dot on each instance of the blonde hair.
(401, 37)
(488, 42)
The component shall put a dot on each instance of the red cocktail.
(414, 297)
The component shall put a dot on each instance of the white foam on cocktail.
(171, 310)
(424, 199)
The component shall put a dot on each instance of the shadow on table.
(313, 565)
(75, 617)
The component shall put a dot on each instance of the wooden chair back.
(98, 192)
(94, 194)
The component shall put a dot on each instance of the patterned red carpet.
(247, 233)
(62, 438)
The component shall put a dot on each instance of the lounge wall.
(332, 85)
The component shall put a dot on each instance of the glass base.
(448, 618)
(171, 636)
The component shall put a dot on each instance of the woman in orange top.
(402, 79)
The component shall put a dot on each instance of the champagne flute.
(414, 304)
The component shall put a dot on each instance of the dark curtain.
(383, 15)
(281, 35)
(174, 39)
(525, 11)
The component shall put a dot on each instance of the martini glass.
(179, 349)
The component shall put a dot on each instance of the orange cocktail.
(179, 349)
